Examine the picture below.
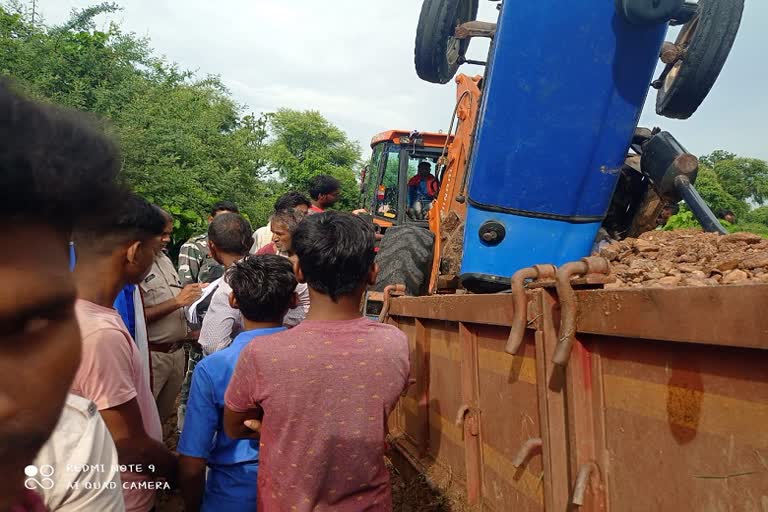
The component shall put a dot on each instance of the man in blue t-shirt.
(263, 291)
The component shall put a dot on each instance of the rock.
(734, 277)
(639, 264)
(690, 281)
(670, 281)
(687, 258)
(645, 246)
(756, 261)
(749, 238)
(728, 263)
(611, 253)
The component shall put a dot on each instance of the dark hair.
(723, 212)
(231, 233)
(131, 219)
(165, 213)
(56, 165)
(289, 218)
(263, 287)
(291, 200)
(425, 164)
(323, 184)
(335, 252)
(224, 206)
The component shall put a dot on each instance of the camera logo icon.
(39, 477)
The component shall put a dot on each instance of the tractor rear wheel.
(438, 53)
(405, 257)
(704, 44)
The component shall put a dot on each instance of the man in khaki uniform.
(164, 303)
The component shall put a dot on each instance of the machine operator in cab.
(422, 189)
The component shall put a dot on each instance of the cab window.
(371, 177)
(387, 193)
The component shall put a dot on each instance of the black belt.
(165, 348)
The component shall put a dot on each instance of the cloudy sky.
(353, 61)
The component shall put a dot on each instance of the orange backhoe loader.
(435, 253)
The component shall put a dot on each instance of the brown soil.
(415, 495)
(452, 235)
(688, 258)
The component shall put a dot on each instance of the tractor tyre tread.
(405, 257)
(718, 24)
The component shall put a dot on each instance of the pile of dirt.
(415, 494)
(688, 258)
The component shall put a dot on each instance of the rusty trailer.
(662, 403)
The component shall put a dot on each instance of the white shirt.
(142, 339)
(221, 323)
(261, 237)
(81, 440)
(297, 315)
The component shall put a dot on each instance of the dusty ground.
(415, 495)
(688, 258)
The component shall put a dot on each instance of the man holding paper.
(164, 303)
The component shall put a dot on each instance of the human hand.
(188, 295)
(254, 425)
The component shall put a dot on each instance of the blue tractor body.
(564, 91)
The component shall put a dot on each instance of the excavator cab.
(392, 190)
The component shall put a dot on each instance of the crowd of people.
(280, 387)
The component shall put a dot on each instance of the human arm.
(243, 425)
(190, 259)
(109, 361)
(134, 445)
(192, 481)
(200, 429)
(188, 295)
(240, 400)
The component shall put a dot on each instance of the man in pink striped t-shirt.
(326, 387)
(115, 250)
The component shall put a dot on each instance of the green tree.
(304, 144)
(746, 179)
(716, 156)
(185, 142)
(729, 182)
(714, 193)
